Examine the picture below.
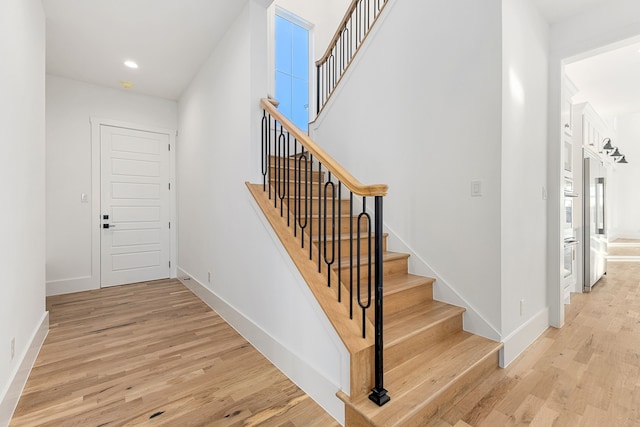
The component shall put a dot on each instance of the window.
(292, 70)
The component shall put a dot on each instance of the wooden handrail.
(336, 36)
(329, 162)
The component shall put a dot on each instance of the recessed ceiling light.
(131, 64)
(126, 85)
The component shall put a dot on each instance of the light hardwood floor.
(120, 355)
(154, 354)
(585, 374)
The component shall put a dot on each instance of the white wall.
(623, 181)
(420, 110)
(253, 284)
(69, 106)
(22, 164)
(524, 174)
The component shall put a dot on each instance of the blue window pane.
(283, 93)
(283, 45)
(300, 55)
(292, 71)
(300, 103)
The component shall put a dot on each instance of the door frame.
(96, 123)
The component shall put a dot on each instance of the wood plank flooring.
(154, 354)
(121, 355)
(585, 374)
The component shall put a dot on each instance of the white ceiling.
(609, 81)
(559, 10)
(88, 40)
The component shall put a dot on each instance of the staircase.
(430, 363)
(410, 359)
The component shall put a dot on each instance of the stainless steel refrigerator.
(594, 221)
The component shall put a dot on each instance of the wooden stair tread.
(402, 282)
(415, 384)
(413, 320)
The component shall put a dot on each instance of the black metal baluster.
(264, 167)
(368, 15)
(319, 216)
(269, 154)
(303, 157)
(282, 187)
(351, 254)
(356, 24)
(340, 244)
(295, 187)
(311, 203)
(288, 178)
(332, 67)
(363, 306)
(328, 261)
(318, 80)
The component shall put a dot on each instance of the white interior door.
(135, 206)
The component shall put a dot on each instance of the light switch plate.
(476, 188)
(84, 198)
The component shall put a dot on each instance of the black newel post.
(378, 393)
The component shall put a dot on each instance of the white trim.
(624, 245)
(443, 291)
(67, 286)
(305, 376)
(518, 341)
(9, 400)
(96, 122)
(622, 258)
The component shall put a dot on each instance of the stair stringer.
(361, 350)
(473, 320)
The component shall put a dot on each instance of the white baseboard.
(9, 401)
(621, 258)
(305, 376)
(68, 286)
(518, 341)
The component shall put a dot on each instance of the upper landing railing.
(351, 33)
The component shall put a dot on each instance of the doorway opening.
(600, 109)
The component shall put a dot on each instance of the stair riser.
(291, 161)
(396, 354)
(291, 190)
(317, 225)
(446, 400)
(345, 246)
(315, 175)
(342, 226)
(408, 298)
(391, 267)
(314, 206)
